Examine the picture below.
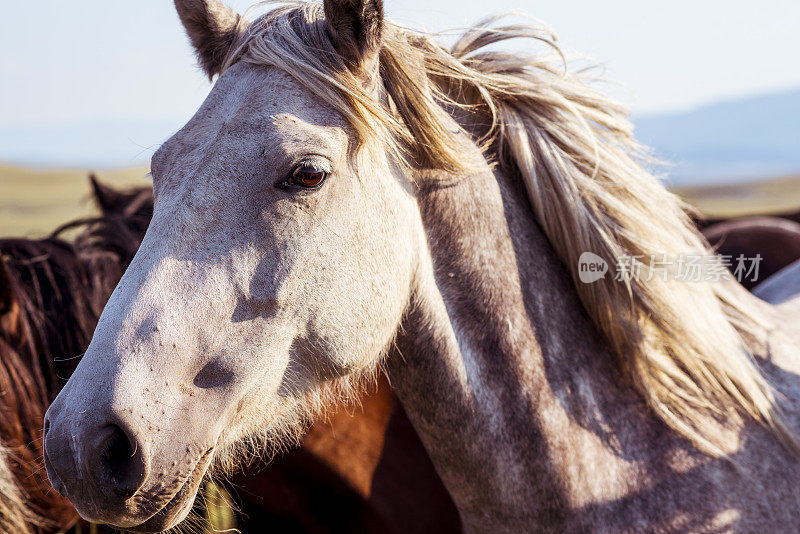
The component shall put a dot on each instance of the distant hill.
(729, 141)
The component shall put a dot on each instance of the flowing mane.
(681, 344)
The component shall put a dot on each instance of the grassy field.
(35, 201)
(778, 195)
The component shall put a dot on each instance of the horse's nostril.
(122, 461)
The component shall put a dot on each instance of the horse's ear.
(355, 27)
(106, 198)
(211, 26)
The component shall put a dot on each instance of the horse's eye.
(307, 176)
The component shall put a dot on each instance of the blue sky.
(86, 62)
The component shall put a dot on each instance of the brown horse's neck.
(516, 384)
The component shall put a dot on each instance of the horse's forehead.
(260, 93)
(262, 105)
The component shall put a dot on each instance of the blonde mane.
(15, 516)
(679, 343)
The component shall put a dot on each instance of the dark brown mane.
(52, 291)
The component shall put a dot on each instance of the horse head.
(273, 275)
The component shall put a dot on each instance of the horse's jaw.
(178, 508)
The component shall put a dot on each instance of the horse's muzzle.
(100, 467)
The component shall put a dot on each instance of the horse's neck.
(500, 370)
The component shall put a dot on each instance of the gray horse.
(353, 197)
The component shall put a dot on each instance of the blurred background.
(714, 88)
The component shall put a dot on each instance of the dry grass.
(33, 202)
(777, 195)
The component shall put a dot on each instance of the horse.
(281, 494)
(363, 470)
(353, 196)
(776, 241)
(704, 222)
(51, 294)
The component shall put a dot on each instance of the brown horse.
(359, 472)
(51, 293)
(705, 222)
(775, 239)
